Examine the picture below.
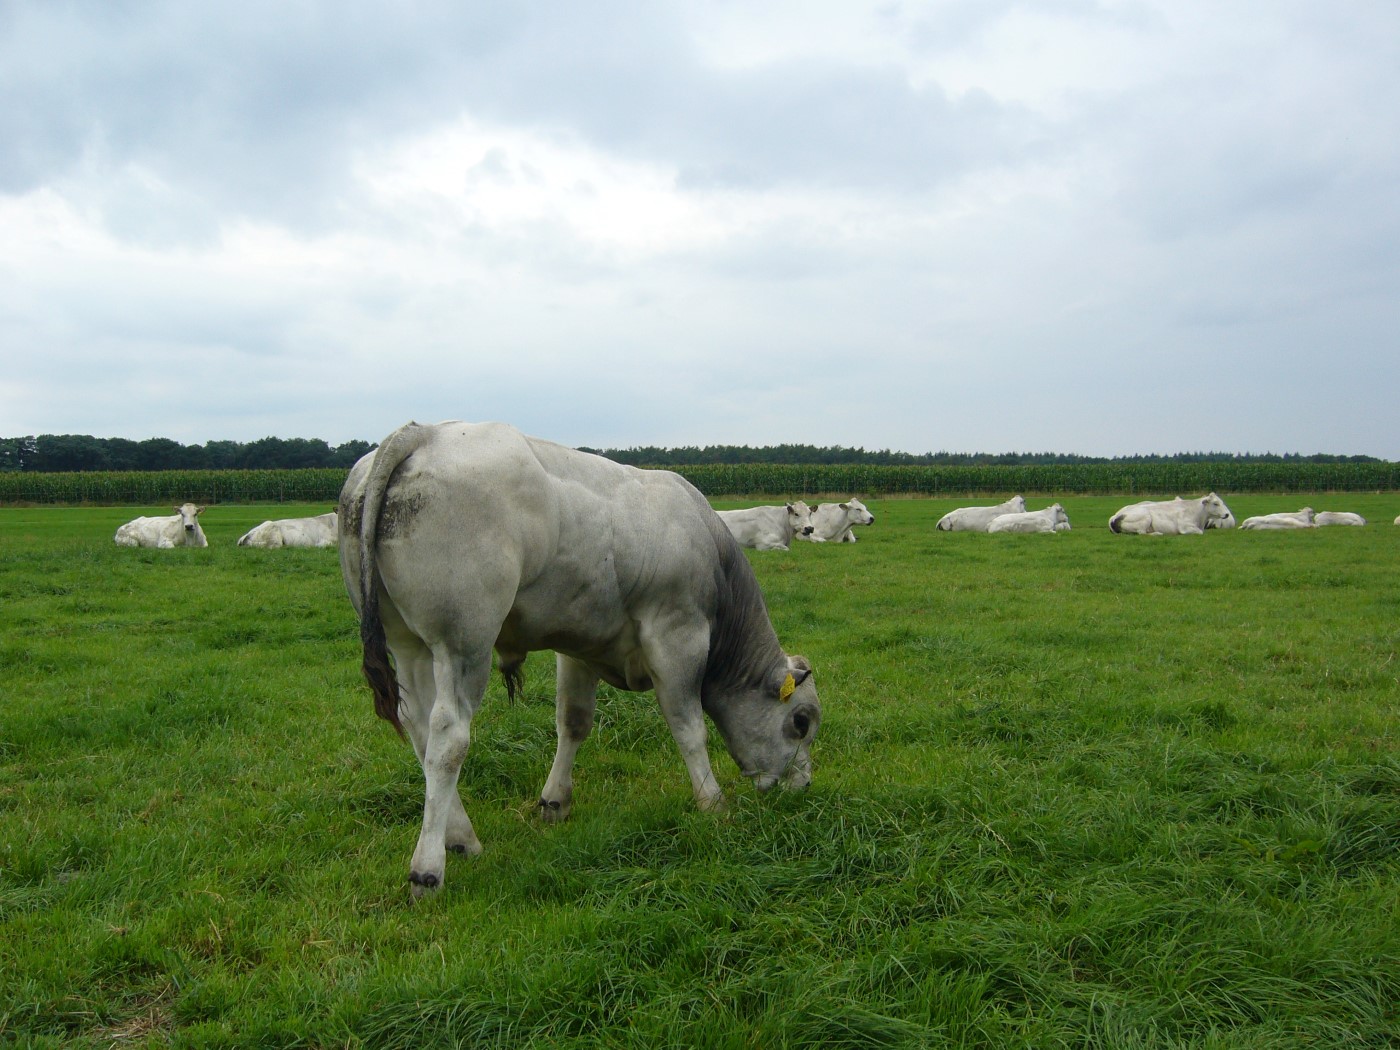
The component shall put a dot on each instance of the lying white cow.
(976, 519)
(831, 522)
(768, 528)
(1226, 522)
(1338, 517)
(180, 529)
(1173, 517)
(1050, 519)
(1297, 519)
(459, 538)
(292, 532)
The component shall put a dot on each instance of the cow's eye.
(801, 723)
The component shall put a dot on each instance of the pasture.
(1076, 790)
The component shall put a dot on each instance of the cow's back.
(150, 532)
(482, 527)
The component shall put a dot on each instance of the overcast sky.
(967, 225)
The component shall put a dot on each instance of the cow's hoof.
(465, 849)
(552, 810)
(711, 803)
(423, 884)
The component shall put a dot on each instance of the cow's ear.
(786, 677)
(198, 511)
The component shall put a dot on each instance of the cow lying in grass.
(1338, 517)
(292, 532)
(1050, 519)
(831, 522)
(1297, 519)
(180, 529)
(768, 528)
(1173, 517)
(976, 519)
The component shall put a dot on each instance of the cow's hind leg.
(576, 698)
(414, 664)
(459, 684)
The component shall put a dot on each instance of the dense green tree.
(221, 455)
(161, 454)
(17, 453)
(58, 452)
(348, 452)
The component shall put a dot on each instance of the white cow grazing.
(1296, 519)
(459, 538)
(976, 519)
(292, 532)
(1050, 519)
(1338, 517)
(768, 528)
(1173, 517)
(831, 522)
(180, 529)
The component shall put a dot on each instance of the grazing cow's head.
(769, 727)
(189, 515)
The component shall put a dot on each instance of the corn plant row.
(322, 485)
(149, 488)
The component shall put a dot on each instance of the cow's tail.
(1115, 523)
(378, 671)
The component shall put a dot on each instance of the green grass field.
(1081, 790)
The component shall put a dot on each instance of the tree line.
(62, 453)
(836, 455)
(59, 453)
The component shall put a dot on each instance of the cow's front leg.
(575, 700)
(460, 683)
(681, 706)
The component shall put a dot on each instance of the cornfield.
(146, 488)
(1066, 478)
(322, 485)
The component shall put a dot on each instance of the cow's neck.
(743, 645)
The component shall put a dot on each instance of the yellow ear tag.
(789, 686)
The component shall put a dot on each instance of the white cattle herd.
(773, 528)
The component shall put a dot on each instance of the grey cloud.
(259, 110)
(253, 109)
